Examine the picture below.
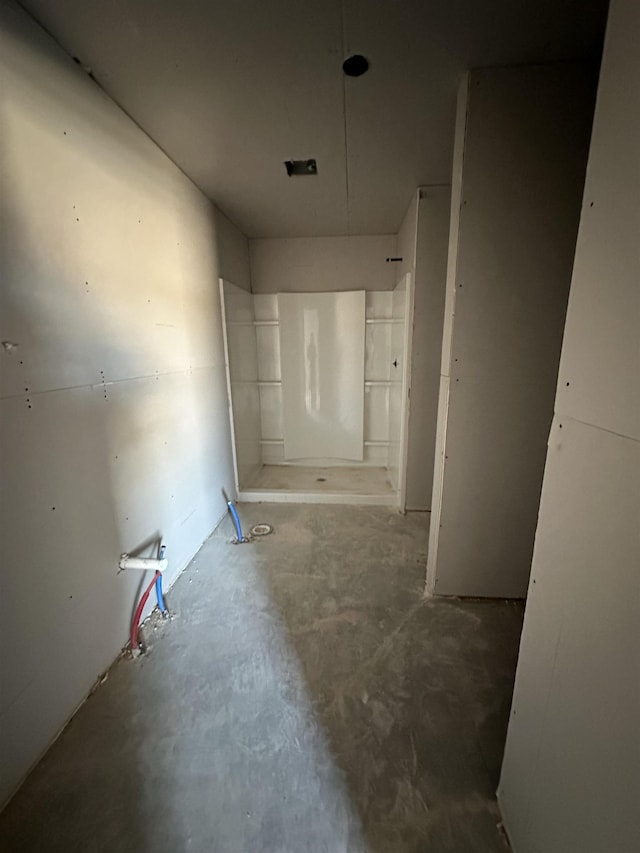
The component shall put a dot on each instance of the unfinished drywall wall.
(406, 241)
(241, 356)
(571, 773)
(310, 264)
(233, 252)
(526, 134)
(114, 427)
(432, 231)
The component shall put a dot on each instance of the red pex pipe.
(137, 615)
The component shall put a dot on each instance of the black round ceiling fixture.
(355, 66)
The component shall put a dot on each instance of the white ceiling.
(232, 88)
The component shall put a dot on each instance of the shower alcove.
(318, 388)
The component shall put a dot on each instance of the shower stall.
(318, 389)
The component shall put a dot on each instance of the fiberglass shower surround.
(318, 386)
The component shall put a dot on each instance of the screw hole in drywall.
(568, 383)
(590, 204)
(321, 479)
(52, 509)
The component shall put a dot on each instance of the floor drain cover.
(261, 530)
(321, 480)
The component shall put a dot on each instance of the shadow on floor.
(305, 698)
(414, 694)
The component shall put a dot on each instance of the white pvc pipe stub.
(143, 563)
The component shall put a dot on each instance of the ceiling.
(230, 89)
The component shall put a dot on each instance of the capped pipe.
(143, 563)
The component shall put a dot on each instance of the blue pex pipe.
(159, 595)
(236, 520)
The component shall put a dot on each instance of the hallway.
(304, 697)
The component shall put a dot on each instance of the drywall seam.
(93, 386)
(567, 417)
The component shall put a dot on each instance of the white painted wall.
(432, 234)
(113, 418)
(526, 133)
(308, 264)
(571, 774)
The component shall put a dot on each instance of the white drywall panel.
(428, 313)
(398, 387)
(266, 306)
(113, 418)
(316, 264)
(571, 773)
(406, 243)
(525, 146)
(598, 380)
(242, 361)
(322, 338)
(477, 533)
(233, 252)
(447, 331)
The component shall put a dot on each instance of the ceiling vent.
(301, 167)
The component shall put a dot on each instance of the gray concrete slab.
(304, 698)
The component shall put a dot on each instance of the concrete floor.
(305, 698)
